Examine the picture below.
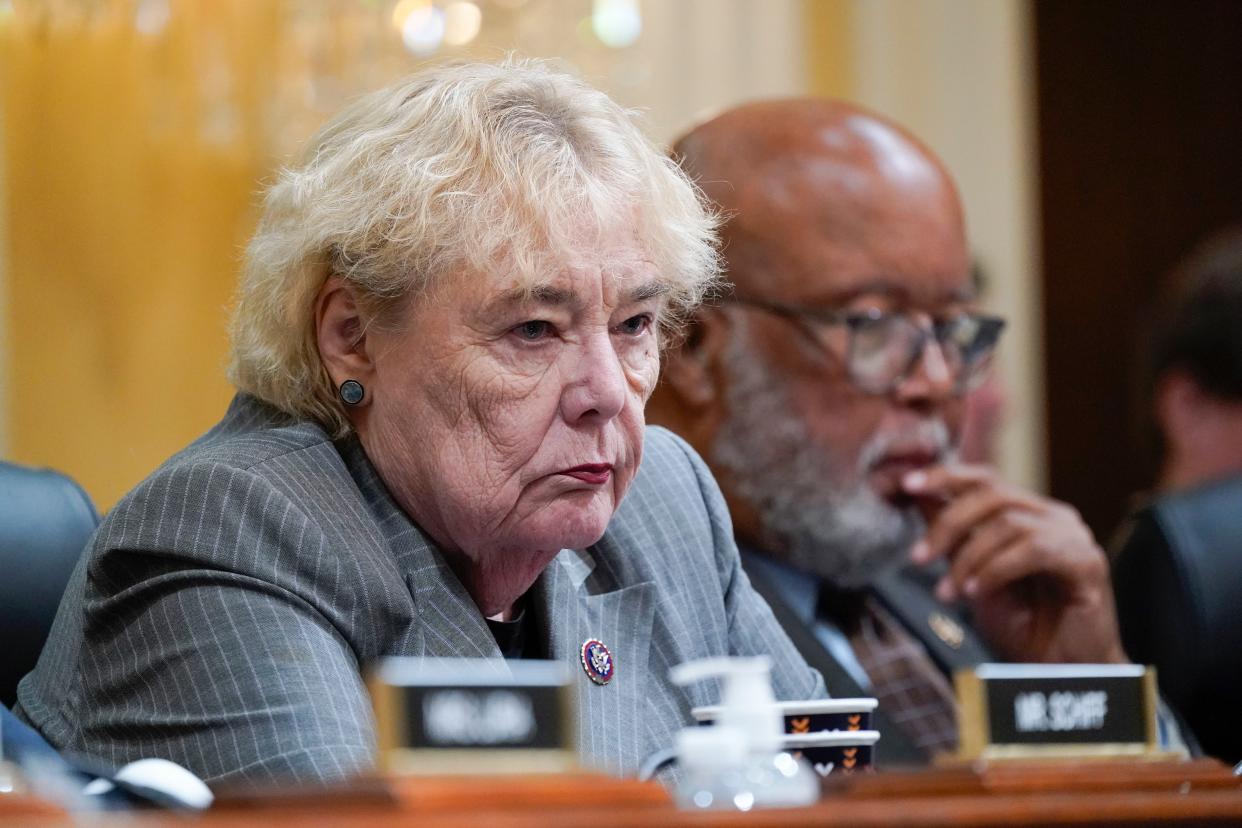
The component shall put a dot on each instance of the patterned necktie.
(909, 686)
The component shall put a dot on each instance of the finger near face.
(1012, 564)
(953, 524)
(984, 543)
(947, 480)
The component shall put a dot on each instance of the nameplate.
(473, 715)
(1064, 710)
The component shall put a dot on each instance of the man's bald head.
(829, 209)
(820, 181)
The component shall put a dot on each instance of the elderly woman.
(448, 325)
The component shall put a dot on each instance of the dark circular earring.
(351, 392)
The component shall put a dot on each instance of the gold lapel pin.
(946, 629)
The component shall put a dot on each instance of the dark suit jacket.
(1177, 572)
(229, 604)
(908, 596)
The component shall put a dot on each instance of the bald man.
(826, 392)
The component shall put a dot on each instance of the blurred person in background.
(1178, 556)
(1196, 370)
(448, 326)
(826, 391)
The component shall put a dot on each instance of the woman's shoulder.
(255, 460)
(253, 439)
(260, 502)
(251, 435)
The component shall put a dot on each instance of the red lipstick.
(594, 473)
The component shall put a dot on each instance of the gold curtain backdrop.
(137, 134)
(130, 159)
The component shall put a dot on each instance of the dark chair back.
(1178, 580)
(45, 521)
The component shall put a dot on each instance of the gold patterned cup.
(840, 752)
(834, 735)
(814, 716)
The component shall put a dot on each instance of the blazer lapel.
(947, 636)
(452, 626)
(448, 623)
(610, 733)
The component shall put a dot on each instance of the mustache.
(932, 434)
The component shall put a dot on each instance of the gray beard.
(816, 513)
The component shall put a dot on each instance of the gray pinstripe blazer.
(228, 604)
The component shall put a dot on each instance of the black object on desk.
(45, 521)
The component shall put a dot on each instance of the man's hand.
(1033, 573)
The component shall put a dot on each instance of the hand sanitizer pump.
(740, 766)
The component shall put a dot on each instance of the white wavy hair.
(456, 169)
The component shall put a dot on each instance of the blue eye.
(635, 325)
(533, 330)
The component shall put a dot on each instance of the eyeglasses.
(883, 348)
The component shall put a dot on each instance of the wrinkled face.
(819, 458)
(508, 416)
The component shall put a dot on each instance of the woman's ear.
(341, 334)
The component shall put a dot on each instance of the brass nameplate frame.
(451, 716)
(1038, 711)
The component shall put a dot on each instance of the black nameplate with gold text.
(1034, 710)
(467, 715)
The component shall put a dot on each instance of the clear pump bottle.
(737, 763)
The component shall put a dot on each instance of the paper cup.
(812, 716)
(836, 753)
